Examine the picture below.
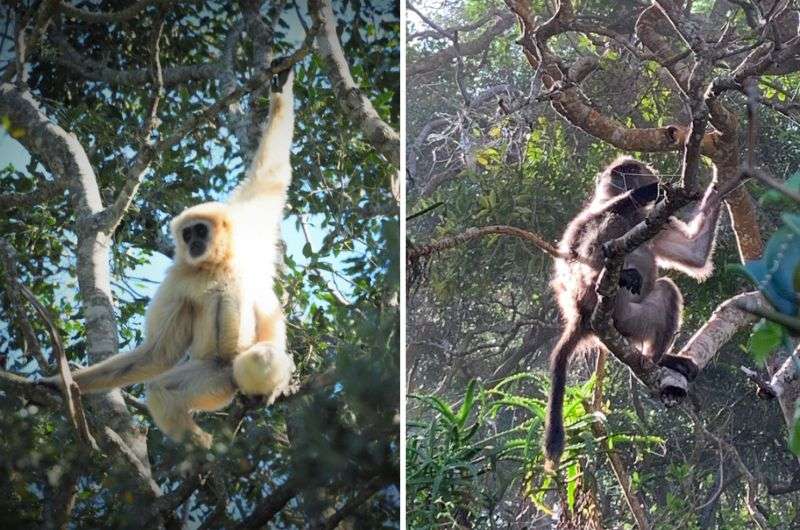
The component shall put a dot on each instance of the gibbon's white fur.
(215, 324)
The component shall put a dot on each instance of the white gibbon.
(215, 325)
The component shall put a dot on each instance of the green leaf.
(572, 485)
(466, 407)
(444, 409)
(794, 437)
(766, 337)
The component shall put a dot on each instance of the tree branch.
(632, 498)
(352, 505)
(44, 192)
(271, 504)
(71, 393)
(94, 17)
(568, 101)
(477, 232)
(94, 71)
(14, 295)
(728, 318)
(14, 384)
(354, 103)
(476, 46)
(117, 209)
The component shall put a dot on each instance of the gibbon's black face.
(630, 176)
(195, 236)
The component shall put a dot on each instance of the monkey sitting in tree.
(217, 302)
(648, 308)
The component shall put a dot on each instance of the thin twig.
(72, 394)
(763, 176)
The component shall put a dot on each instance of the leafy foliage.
(340, 276)
(484, 310)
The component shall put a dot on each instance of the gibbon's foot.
(280, 79)
(263, 369)
(631, 280)
(683, 365)
(672, 394)
(191, 466)
(196, 447)
(550, 467)
(292, 388)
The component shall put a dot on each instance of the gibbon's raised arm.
(270, 172)
(688, 246)
(168, 333)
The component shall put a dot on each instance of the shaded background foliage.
(482, 319)
(339, 277)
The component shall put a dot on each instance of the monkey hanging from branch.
(647, 308)
(215, 325)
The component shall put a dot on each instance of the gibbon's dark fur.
(648, 308)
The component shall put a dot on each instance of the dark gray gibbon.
(648, 308)
(215, 325)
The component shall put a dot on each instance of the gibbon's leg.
(194, 385)
(270, 326)
(654, 320)
(165, 343)
(688, 247)
(265, 368)
(120, 370)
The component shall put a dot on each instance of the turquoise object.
(777, 273)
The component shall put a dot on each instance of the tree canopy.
(513, 109)
(127, 113)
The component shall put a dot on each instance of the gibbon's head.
(623, 174)
(202, 235)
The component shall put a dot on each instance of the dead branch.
(762, 175)
(729, 318)
(470, 48)
(478, 232)
(72, 394)
(98, 17)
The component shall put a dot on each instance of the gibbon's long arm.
(167, 337)
(688, 247)
(270, 173)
